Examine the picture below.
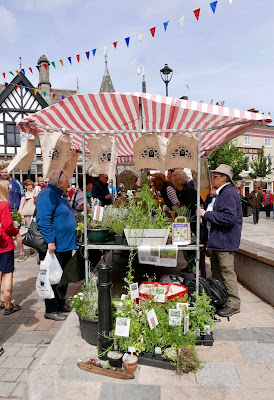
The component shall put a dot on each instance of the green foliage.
(117, 225)
(17, 217)
(261, 165)
(186, 360)
(202, 314)
(184, 211)
(231, 155)
(85, 303)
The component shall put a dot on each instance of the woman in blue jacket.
(56, 221)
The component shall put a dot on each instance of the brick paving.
(26, 334)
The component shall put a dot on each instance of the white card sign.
(182, 306)
(152, 319)
(159, 295)
(186, 323)
(134, 291)
(122, 327)
(98, 213)
(175, 317)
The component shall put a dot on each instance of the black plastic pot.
(148, 355)
(208, 340)
(115, 362)
(199, 340)
(89, 330)
(118, 239)
(158, 356)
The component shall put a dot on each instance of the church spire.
(106, 85)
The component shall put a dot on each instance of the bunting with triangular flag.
(6, 84)
(23, 71)
(53, 95)
(69, 58)
(18, 73)
(127, 41)
(197, 13)
(63, 97)
(4, 75)
(165, 25)
(37, 66)
(30, 70)
(152, 31)
(78, 57)
(35, 91)
(213, 6)
(16, 87)
(115, 44)
(181, 20)
(53, 64)
(93, 52)
(45, 66)
(87, 54)
(140, 36)
(61, 62)
(26, 88)
(11, 73)
(44, 93)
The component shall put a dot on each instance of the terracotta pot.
(128, 365)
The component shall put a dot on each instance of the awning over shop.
(120, 113)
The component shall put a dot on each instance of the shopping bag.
(34, 238)
(55, 272)
(43, 286)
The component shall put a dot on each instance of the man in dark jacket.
(226, 220)
(100, 190)
(256, 200)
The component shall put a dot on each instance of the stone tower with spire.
(106, 85)
(44, 83)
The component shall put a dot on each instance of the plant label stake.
(175, 317)
(122, 327)
(186, 323)
(131, 350)
(152, 319)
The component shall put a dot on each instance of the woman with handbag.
(29, 205)
(56, 221)
(7, 231)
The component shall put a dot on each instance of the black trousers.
(256, 215)
(56, 304)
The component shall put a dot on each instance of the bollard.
(104, 307)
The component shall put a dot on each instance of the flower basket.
(138, 237)
(89, 330)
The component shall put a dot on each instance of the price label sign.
(175, 317)
(122, 327)
(152, 319)
(134, 291)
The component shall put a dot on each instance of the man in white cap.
(226, 220)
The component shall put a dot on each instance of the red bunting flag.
(78, 57)
(197, 13)
(30, 70)
(4, 75)
(115, 44)
(53, 95)
(269, 113)
(16, 87)
(152, 31)
(46, 67)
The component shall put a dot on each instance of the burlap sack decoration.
(70, 164)
(103, 155)
(181, 152)
(25, 156)
(149, 152)
(55, 148)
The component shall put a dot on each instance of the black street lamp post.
(165, 72)
(144, 88)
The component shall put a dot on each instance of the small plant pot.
(130, 362)
(208, 340)
(115, 359)
(118, 239)
(148, 355)
(158, 356)
(199, 340)
(98, 235)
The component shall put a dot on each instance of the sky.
(227, 56)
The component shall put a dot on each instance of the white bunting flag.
(140, 36)
(181, 20)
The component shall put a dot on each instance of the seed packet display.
(122, 327)
(181, 234)
(175, 317)
(134, 291)
(152, 319)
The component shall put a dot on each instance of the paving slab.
(256, 376)
(121, 391)
(220, 375)
(257, 353)
(18, 362)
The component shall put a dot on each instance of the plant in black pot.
(85, 304)
(115, 358)
(117, 226)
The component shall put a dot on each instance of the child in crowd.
(7, 231)
(29, 205)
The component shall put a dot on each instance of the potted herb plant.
(85, 304)
(115, 358)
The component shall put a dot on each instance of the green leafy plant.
(202, 314)
(85, 303)
(186, 360)
(17, 218)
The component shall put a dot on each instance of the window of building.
(247, 189)
(269, 161)
(11, 138)
(247, 140)
(248, 168)
(267, 142)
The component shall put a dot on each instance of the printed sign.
(98, 213)
(182, 306)
(175, 317)
(134, 291)
(186, 323)
(122, 327)
(165, 256)
(159, 294)
(181, 233)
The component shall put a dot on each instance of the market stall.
(128, 116)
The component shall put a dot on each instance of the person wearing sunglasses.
(226, 219)
(56, 221)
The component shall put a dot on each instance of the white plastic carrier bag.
(43, 286)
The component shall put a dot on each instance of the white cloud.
(8, 27)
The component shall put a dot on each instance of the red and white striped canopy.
(120, 112)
